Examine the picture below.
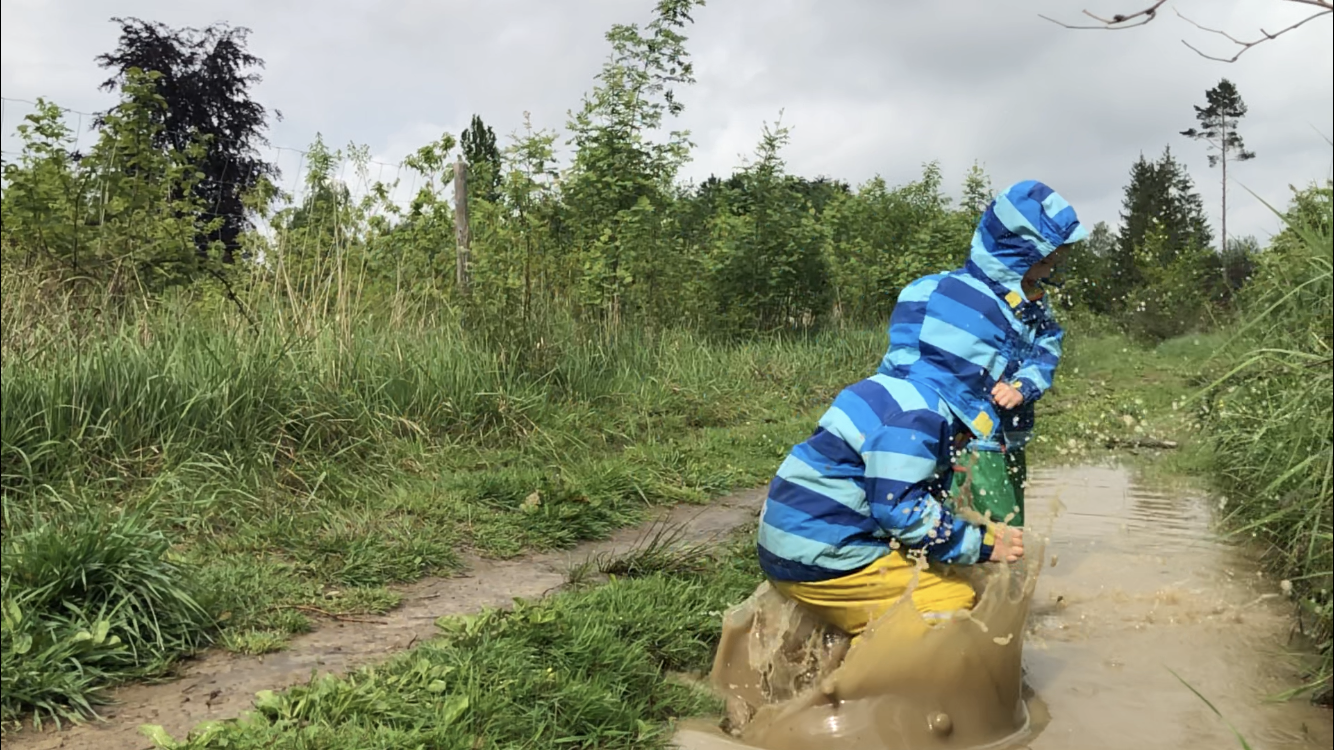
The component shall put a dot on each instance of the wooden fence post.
(461, 224)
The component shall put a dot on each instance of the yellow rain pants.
(850, 602)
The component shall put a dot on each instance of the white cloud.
(867, 86)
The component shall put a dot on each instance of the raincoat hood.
(1021, 226)
(961, 332)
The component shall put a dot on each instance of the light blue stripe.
(903, 357)
(900, 467)
(838, 489)
(993, 267)
(908, 397)
(800, 549)
(1054, 204)
(964, 345)
(841, 425)
(1016, 222)
(919, 290)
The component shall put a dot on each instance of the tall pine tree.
(1218, 128)
(1160, 197)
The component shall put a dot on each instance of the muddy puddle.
(1130, 587)
(221, 686)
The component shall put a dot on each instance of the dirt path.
(220, 685)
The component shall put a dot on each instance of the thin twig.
(1266, 35)
(1146, 15)
(1118, 21)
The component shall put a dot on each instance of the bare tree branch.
(1119, 21)
(1146, 15)
(1266, 35)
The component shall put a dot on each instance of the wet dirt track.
(221, 686)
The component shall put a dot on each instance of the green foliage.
(480, 153)
(122, 216)
(1218, 124)
(883, 238)
(769, 257)
(604, 655)
(1162, 279)
(91, 597)
(1270, 416)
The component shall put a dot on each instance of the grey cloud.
(867, 86)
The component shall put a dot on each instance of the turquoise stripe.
(919, 290)
(838, 489)
(961, 344)
(902, 357)
(1054, 204)
(903, 392)
(841, 426)
(900, 467)
(993, 267)
(800, 549)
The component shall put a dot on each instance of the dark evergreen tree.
(205, 82)
(478, 142)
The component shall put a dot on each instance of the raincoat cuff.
(988, 543)
(1028, 389)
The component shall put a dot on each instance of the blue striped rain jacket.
(879, 463)
(960, 321)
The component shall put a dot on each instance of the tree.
(1160, 192)
(1218, 128)
(621, 182)
(1086, 275)
(205, 85)
(478, 142)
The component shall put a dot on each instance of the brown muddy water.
(1131, 584)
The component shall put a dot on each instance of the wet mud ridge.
(219, 685)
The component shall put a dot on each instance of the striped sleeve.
(1036, 374)
(902, 475)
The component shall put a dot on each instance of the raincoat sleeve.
(1035, 375)
(901, 485)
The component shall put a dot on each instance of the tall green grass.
(1271, 418)
(310, 461)
(596, 667)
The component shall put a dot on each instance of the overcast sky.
(867, 86)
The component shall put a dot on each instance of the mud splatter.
(1142, 585)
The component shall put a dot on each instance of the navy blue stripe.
(908, 313)
(876, 397)
(959, 367)
(834, 448)
(985, 304)
(781, 569)
(811, 515)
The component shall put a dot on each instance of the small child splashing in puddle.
(868, 486)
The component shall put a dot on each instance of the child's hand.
(1006, 396)
(1009, 545)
